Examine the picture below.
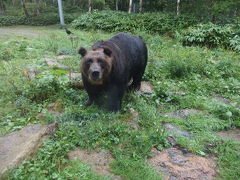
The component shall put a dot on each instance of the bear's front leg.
(114, 97)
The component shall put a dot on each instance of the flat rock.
(233, 134)
(99, 161)
(173, 164)
(173, 129)
(19, 145)
(183, 113)
(63, 56)
(30, 72)
(222, 100)
(54, 64)
(146, 88)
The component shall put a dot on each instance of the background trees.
(205, 9)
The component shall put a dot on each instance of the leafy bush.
(113, 21)
(46, 85)
(40, 20)
(212, 36)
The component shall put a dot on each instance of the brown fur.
(94, 55)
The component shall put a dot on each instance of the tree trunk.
(235, 12)
(24, 8)
(130, 6)
(140, 6)
(178, 7)
(89, 5)
(116, 5)
(38, 6)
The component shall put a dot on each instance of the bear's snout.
(95, 72)
(95, 75)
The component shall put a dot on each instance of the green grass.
(198, 73)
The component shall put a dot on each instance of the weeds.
(182, 77)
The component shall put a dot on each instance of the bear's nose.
(95, 74)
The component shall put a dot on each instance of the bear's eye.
(100, 61)
(89, 61)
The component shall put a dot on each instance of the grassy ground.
(182, 77)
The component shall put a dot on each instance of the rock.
(175, 165)
(145, 88)
(54, 64)
(179, 93)
(19, 145)
(222, 100)
(63, 56)
(99, 161)
(75, 76)
(233, 134)
(30, 72)
(133, 119)
(76, 80)
(176, 130)
(183, 113)
(56, 107)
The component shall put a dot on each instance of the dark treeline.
(207, 9)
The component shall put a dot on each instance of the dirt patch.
(233, 134)
(175, 165)
(21, 32)
(99, 161)
(183, 113)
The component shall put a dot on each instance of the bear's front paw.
(114, 108)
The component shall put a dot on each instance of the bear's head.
(96, 64)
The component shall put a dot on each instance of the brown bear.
(110, 65)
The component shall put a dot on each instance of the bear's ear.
(107, 51)
(82, 51)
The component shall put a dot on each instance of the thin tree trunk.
(140, 6)
(130, 6)
(235, 12)
(89, 5)
(24, 8)
(178, 7)
(37, 6)
(116, 5)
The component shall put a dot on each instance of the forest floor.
(187, 127)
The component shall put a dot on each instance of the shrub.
(212, 36)
(40, 20)
(113, 21)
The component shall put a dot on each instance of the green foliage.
(124, 167)
(212, 36)
(182, 78)
(6, 54)
(46, 85)
(79, 171)
(111, 21)
(39, 20)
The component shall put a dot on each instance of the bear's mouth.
(95, 80)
